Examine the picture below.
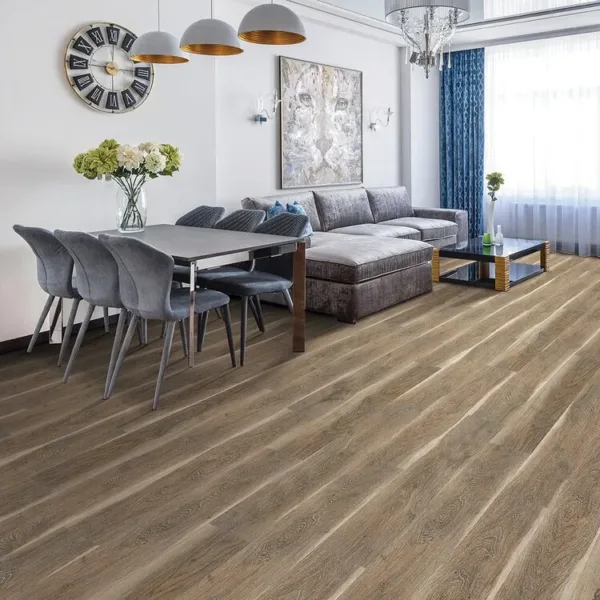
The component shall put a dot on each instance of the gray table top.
(187, 244)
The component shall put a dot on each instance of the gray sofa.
(370, 248)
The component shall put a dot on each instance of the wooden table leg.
(435, 265)
(502, 273)
(544, 257)
(191, 320)
(299, 292)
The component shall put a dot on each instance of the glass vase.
(131, 209)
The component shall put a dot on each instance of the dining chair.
(98, 284)
(272, 275)
(55, 277)
(145, 278)
(202, 216)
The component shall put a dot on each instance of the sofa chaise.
(370, 249)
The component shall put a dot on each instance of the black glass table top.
(475, 250)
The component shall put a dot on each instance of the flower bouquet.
(129, 167)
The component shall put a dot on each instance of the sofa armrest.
(460, 217)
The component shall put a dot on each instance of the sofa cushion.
(304, 199)
(432, 229)
(343, 208)
(389, 203)
(351, 262)
(380, 230)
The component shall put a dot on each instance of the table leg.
(483, 270)
(435, 265)
(544, 257)
(191, 320)
(502, 273)
(299, 316)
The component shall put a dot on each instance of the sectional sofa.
(370, 248)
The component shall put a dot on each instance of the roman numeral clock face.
(100, 71)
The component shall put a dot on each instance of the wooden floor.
(446, 448)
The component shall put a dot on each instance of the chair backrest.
(54, 263)
(95, 268)
(287, 224)
(202, 216)
(242, 220)
(145, 276)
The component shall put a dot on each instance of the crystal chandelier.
(428, 27)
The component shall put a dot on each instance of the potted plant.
(495, 181)
(129, 167)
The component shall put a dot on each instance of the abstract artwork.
(321, 125)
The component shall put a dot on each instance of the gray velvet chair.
(145, 285)
(98, 284)
(55, 276)
(202, 216)
(272, 275)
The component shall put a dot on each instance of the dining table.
(199, 248)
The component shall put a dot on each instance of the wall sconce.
(266, 114)
(380, 117)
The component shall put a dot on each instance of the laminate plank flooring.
(446, 448)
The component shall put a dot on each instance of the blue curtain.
(462, 147)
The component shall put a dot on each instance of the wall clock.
(100, 71)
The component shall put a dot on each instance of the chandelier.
(428, 27)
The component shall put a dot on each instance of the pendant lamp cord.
(211, 8)
(158, 11)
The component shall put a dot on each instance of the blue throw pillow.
(298, 209)
(276, 209)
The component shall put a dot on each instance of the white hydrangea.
(155, 162)
(148, 147)
(129, 158)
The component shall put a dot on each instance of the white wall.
(43, 126)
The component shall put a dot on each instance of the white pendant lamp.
(211, 37)
(157, 47)
(272, 24)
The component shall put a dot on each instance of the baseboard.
(22, 342)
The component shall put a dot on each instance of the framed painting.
(321, 124)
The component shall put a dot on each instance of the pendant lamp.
(211, 37)
(272, 24)
(157, 47)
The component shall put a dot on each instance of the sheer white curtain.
(543, 133)
(494, 9)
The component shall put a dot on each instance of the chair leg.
(78, 342)
(288, 300)
(227, 319)
(218, 313)
(261, 322)
(124, 348)
(254, 312)
(40, 322)
(115, 348)
(202, 325)
(163, 330)
(142, 331)
(57, 312)
(106, 321)
(184, 336)
(164, 361)
(67, 337)
(244, 325)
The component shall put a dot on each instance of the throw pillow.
(298, 209)
(276, 209)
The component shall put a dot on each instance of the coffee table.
(492, 267)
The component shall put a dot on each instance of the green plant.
(494, 182)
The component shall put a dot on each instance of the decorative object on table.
(129, 167)
(428, 27)
(102, 74)
(487, 239)
(272, 24)
(495, 181)
(263, 114)
(158, 47)
(499, 237)
(211, 37)
(321, 125)
(380, 117)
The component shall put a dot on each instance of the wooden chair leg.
(244, 325)
(164, 361)
(82, 331)
(67, 337)
(227, 319)
(40, 323)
